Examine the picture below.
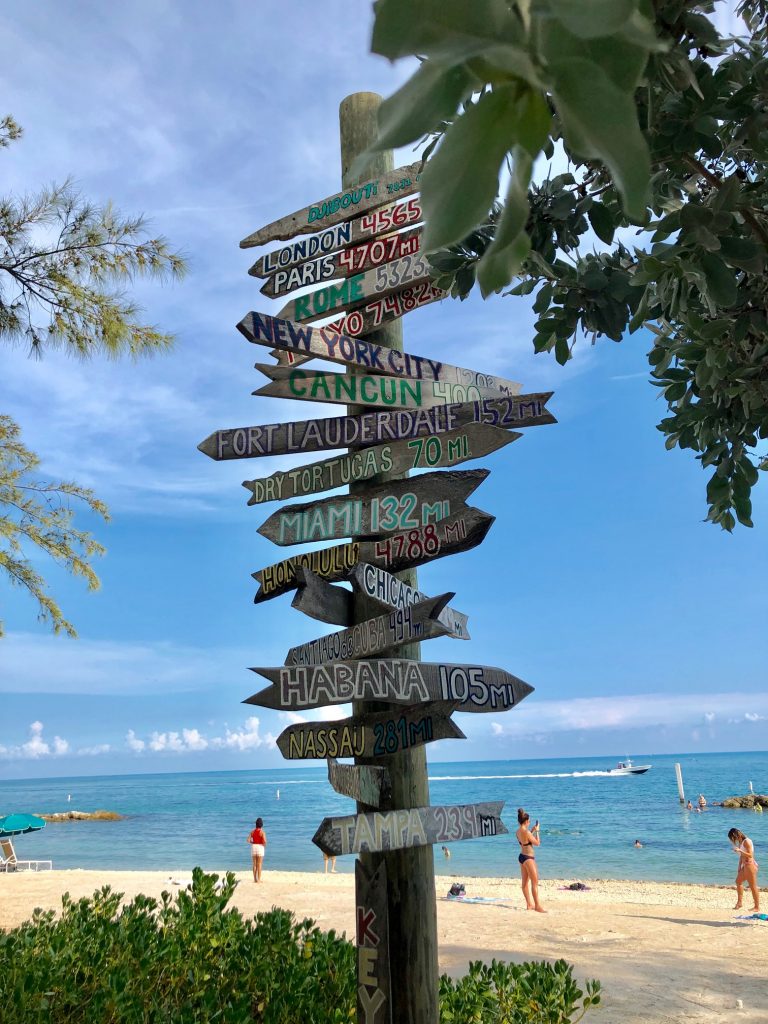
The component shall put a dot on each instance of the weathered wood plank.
(376, 735)
(329, 603)
(374, 996)
(367, 389)
(367, 783)
(366, 639)
(395, 553)
(345, 205)
(391, 507)
(418, 826)
(438, 450)
(356, 260)
(473, 688)
(261, 329)
(372, 428)
(387, 590)
(350, 292)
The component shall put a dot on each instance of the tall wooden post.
(410, 873)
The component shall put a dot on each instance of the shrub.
(190, 960)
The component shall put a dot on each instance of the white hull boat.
(627, 768)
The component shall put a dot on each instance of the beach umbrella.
(18, 824)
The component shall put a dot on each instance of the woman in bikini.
(528, 838)
(747, 869)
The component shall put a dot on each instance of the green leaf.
(602, 222)
(721, 281)
(441, 27)
(505, 255)
(600, 122)
(427, 98)
(461, 180)
(590, 19)
(562, 351)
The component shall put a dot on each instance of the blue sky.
(641, 627)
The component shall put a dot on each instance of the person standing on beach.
(747, 869)
(258, 841)
(528, 838)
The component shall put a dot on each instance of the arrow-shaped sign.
(368, 195)
(371, 428)
(365, 639)
(417, 826)
(391, 507)
(399, 551)
(367, 783)
(356, 260)
(473, 688)
(325, 243)
(387, 590)
(367, 389)
(376, 735)
(261, 329)
(351, 292)
(328, 603)
(450, 449)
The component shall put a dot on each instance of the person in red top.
(258, 841)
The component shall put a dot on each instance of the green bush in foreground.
(189, 959)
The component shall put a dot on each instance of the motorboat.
(627, 768)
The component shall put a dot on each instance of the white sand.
(665, 954)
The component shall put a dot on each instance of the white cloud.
(248, 737)
(35, 747)
(133, 742)
(636, 711)
(94, 751)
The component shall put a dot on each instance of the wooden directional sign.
(384, 588)
(262, 329)
(417, 826)
(351, 292)
(438, 450)
(391, 507)
(371, 428)
(328, 603)
(369, 318)
(368, 195)
(356, 260)
(324, 243)
(374, 995)
(473, 688)
(376, 735)
(366, 783)
(365, 639)
(395, 552)
(367, 389)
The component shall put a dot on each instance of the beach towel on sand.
(498, 901)
(752, 917)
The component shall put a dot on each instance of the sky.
(640, 626)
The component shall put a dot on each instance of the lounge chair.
(10, 862)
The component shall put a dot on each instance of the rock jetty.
(83, 816)
(749, 800)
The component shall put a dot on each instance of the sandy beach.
(664, 953)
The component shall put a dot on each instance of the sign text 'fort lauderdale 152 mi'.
(362, 254)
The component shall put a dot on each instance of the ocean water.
(589, 819)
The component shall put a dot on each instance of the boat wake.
(547, 775)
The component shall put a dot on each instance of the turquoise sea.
(589, 819)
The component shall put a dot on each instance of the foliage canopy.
(659, 217)
(63, 262)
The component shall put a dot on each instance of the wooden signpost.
(368, 783)
(357, 290)
(371, 428)
(373, 736)
(262, 329)
(433, 452)
(372, 224)
(356, 260)
(374, 636)
(416, 826)
(381, 587)
(395, 553)
(368, 195)
(328, 603)
(374, 995)
(392, 507)
(475, 688)
(372, 390)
